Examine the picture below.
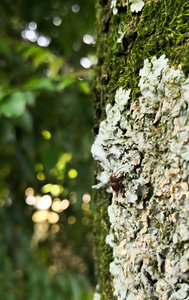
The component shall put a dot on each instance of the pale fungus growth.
(148, 141)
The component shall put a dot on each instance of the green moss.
(162, 28)
(103, 252)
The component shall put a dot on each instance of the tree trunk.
(142, 150)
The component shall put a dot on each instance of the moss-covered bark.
(124, 41)
(162, 27)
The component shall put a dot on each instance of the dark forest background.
(47, 60)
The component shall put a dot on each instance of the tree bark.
(141, 227)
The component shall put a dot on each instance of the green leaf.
(86, 296)
(30, 51)
(76, 290)
(30, 98)
(39, 56)
(85, 88)
(55, 65)
(13, 105)
(2, 95)
(64, 83)
(40, 84)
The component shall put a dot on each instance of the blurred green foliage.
(45, 137)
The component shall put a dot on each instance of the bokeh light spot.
(39, 167)
(31, 200)
(88, 39)
(85, 62)
(29, 191)
(76, 46)
(40, 216)
(30, 35)
(57, 21)
(55, 228)
(40, 176)
(85, 206)
(44, 202)
(64, 158)
(72, 173)
(71, 220)
(75, 8)
(64, 204)
(32, 26)
(54, 189)
(86, 198)
(73, 197)
(53, 217)
(46, 134)
(85, 221)
(56, 206)
(43, 41)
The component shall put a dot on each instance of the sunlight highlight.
(40, 216)
(86, 198)
(46, 134)
(56, 206)
(64, 204)
(44, 202)
(53, 217)
(54, 189)
(71, 220)
(85, 62)
(72, 173)
(88, 39)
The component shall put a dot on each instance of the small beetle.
(115, 179)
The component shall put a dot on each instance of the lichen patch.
(147, 142)
(134, 5)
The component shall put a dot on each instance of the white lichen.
(121, 33)
(134, 5)
(113, 6)
(149, 141)
(109, 135)
(96, 296)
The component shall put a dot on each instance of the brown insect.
(115, 179)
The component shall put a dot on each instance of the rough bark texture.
(142, 127)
